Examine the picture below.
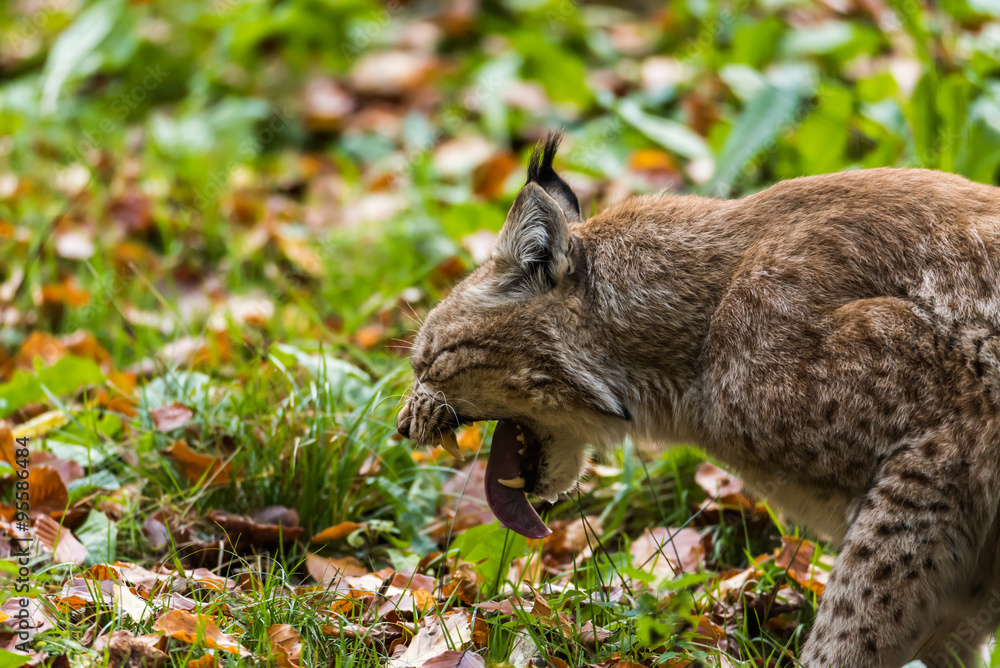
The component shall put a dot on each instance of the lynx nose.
(403, 421)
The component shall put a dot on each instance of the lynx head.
(512, 342)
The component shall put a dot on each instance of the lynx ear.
(540, 171)
(532, 252)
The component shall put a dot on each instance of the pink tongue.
(511, 505)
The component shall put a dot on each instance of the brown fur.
(832, 339)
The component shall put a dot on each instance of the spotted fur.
(835, 340)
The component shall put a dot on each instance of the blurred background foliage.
(357, 145)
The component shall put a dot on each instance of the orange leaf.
(40, 344)
(796, 557)
(198, 468)
(206, 661)
(65, 293)
(335, 532)
(48, 492)
(197, 629)
(286, 643)
(8, 450)
(84, 344)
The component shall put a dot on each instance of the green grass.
(163, 162)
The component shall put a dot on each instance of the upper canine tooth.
(450, 444)
(513, 483)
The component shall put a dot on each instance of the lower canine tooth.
(513, 483)
(450, 444)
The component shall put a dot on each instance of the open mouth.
(512, 472)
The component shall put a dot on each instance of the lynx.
(833, 340)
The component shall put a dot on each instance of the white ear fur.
(532, 252)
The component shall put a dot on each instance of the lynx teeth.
(450, 444)
(513, 483)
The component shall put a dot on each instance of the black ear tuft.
(540, 171)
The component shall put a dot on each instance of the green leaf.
(771, 110)
(74, 45)
(350, 382)
(100, 536)
(102, 480)
(492, 548)
(11, 660)
(669, 134)
(67, 375)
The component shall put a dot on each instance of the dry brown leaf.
(335, 532)
(48, 491)
(591, 635)
(126, 650)
(717, 482)
(458, 659)
(197, 629)
(8, 449)
(170, 417)
(40, 344)
(286, 643)
(555, 661)
(244, 531)
(796, 556)
(325, 570)
(67, 469)
(84, 344)
(668, 552)
(198, 468)
(489, 178)
(326, 104)
(435, 639)
(392, 73)
(570, 540)
(65, 292)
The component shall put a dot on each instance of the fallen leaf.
(48, 492)
(796, 557)
(198, 468)
(244, 531)
(84, 344)
(668, 552)
(197, 629)
(130, 651)
(392, 73)
(59, 540)
(8, 449)
(204, 661)
(456, 659)
(717, 482)
(65, 292)
(591, 635)
(286, 643)
(335, 532)
(173, 416)
(326, 104)
(435, 639)
(42, 345)
(326, 570)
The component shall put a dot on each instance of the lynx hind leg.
(912, 547)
